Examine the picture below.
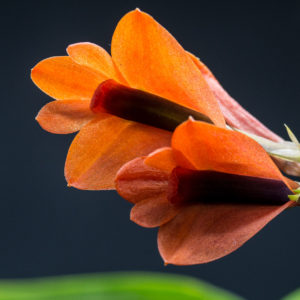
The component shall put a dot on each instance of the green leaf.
(295, 295)
(113, 286)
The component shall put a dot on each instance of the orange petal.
(203, 233)
(61, 78)
(65, 116)
(103, 146)
(201, 66)
(235, 115)
(94, 57)
(152, 60)
(161, 159)
(153, 212)
(146, 187)
(202, 146)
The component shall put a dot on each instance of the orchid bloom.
(144, 56)
(209, 193)
(105, 142)
(207, 187)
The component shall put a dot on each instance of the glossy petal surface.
(103, 146)
(203, 233)
(65, 116)
(61, 78)
(151, 59)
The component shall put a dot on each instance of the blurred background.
(48, 229)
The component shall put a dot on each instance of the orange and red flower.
(144, 56)
(209, 189)
(199, 220)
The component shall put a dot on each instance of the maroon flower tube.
(140, 106)
(211, 187)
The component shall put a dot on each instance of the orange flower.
(209, 193)
(144, 56)
(94, 93)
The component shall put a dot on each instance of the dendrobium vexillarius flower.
(154, 122)
(209, 192)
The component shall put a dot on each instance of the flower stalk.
(285, 150)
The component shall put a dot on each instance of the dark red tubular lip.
(215, 187)
(139, 106)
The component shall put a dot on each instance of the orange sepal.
(103, 146)
(151, 59)
(153, 212)
(61, 78)
(202, 146)
(94, 57)
(65, 116)
(146, 187)
(205, 232)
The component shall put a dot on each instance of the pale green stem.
(289, 151)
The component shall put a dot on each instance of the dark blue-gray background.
(49, 229)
